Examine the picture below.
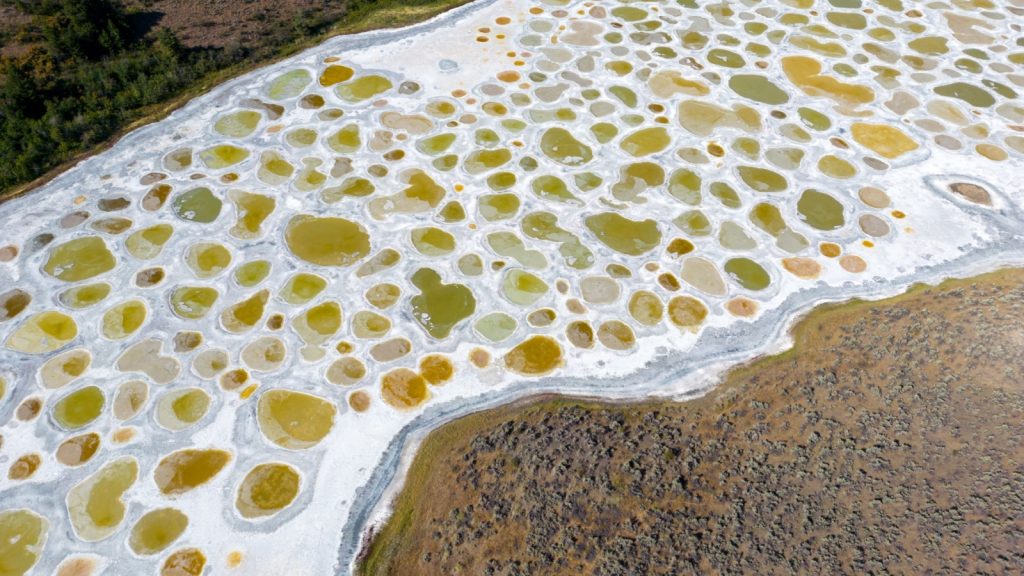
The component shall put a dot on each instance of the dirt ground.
(889, 441)
(11, 21)
(200, 23)
(216, 23)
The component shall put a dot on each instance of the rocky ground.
(890, 440)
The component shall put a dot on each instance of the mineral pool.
(219, 336)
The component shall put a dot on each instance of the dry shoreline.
(454, 471)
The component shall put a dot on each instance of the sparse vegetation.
(889, 440)
(85, 70)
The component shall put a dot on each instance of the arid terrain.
(222, 24)
(200, 23)
(890, 440)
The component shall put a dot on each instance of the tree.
(19, 95)
(167, 45)
(87, 29)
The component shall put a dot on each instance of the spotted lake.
(223, 337)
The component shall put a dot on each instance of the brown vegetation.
(890, 440)
(206, 23)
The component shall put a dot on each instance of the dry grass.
(889, 440)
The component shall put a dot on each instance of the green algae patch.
(554, 189)
(496, 326)
(302, 287)
(198, 205)
(124, 319)
(748, 274)
(182, 408)
(631, 237)
(836, 167)
(346, 140)
(702, 118)
(327, 241)
(544, 226)
(969, 93)
(42, 333)
(84, 296)
(646, 141)
(480, 161)
(364, 87)
(494, 207)
(317, 324)
(560, 145)
(252, 273)
(22, 538)
(354, 187)
(437, 144)
(768, 218)
(762, 179)
(421, 194)
(95, 504)
(294, 420)
(243, 316)
(439, 307)
(685, 185)
(192, 302)
(334, 74)
(79, 408)
(223, 156)
(148, 243)
(814, 119)
(646, 307)
(758, 88)
(80, 259)
(687, 312)
(253, 210)
(523, 288)
(289, 85)
(432, 241)
(820, 210)
(237, 124)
